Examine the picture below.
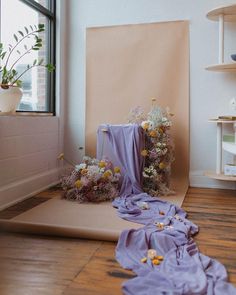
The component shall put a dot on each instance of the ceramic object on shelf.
(233, 56)
(10, 97)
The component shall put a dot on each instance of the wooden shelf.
(229, 147)
(228, 11)
(222, 121)
(230, 67)
(221, 176)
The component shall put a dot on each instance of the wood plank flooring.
(37, 265)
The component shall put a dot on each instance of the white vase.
(10, 98)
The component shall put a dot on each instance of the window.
(38, 84)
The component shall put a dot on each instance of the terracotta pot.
(10, 97)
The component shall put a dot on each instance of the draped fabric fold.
(184, 269)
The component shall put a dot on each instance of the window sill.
(26, 114)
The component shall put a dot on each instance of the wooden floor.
(35, 265)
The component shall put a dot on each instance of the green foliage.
(9, 76)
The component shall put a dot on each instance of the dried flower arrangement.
(92, 181)
(159, 148)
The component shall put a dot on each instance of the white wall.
(209, 92)
(28, 156)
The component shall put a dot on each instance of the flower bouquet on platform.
(92, 181)
(159, 148)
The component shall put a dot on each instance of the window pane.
(34, 82)
(44, 3)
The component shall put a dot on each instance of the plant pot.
(10, 97)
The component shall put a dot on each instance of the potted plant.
(10, 83)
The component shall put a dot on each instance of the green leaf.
(31, 28)
(50, 67)
(4, 71)
(35, 48)
(41, 26)
(40, 62)
(18, 51)
(15, 37)
(21, 33)
(35, 61)
(28, 66)
(38, 45)
(26, 29)
(3, 54)
(1, 45)
(25, 46)
(19, 83)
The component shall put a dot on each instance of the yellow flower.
(160, 130)
(155, 261)
(162, 165)
(84, 171)
(144, 260)
(61, 156)
(107, 174)
(144, 153)
(78, 183)
(117, 169)
(102, 164)
(160, 257)
(153, 133)
(160, 225)
(145, 126)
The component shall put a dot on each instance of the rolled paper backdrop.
(128, 65)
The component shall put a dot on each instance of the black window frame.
(50, 13)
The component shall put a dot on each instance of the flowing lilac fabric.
(184, 270)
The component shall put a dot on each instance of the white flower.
(148, 123)
(86, 158)
(152, 253)
(80, 166)
(164, 151)
(93, 171)
(143, 205)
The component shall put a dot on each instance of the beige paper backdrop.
(128, 65)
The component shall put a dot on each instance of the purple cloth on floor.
(184, 270)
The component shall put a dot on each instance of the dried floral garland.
(92, 181)
(159, 148)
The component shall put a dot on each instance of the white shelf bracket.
(219, 149)
(221, 39)
(235, 133)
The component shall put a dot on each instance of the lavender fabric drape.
(184, 270)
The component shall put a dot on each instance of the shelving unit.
(222, 14)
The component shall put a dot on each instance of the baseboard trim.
(26, 188)
(198, 179)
